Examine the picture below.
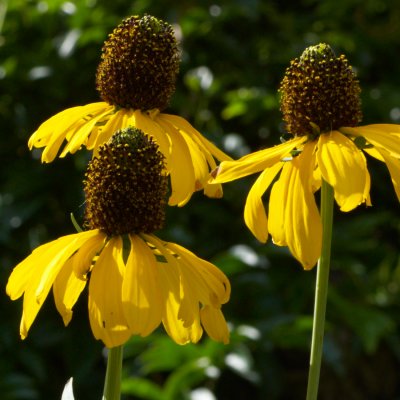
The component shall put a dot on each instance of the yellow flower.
(321, 107)
(135, 280)
(136, 78)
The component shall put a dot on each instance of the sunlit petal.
(45, 262)
(182, 172)
(302, 220)
(277, 205)
(393, 165)
(344, 167)
(385, 136)
(66, 290)
(183, 125)
(255, 162)
(61, 126)
(106, 314)
(141, 292)
(255, 216)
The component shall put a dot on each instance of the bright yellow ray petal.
(255, 216)
(255, 162)
(141, 293)
(302, 220)
(276, 206)
(106, 314)
(203, 278)
(147, 122)
(214, 323)
(46, 263)
(88, 133)
(198, 159)
(344, 167)
(63, 125)
(393, 165)
(179, 321)
(181, 167)
(184, 126)
(384, 136)
(66, 290)
(83, 259)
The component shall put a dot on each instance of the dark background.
(234, 56)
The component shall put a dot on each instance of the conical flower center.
(125, 186)
(139, 64)
(319, 93)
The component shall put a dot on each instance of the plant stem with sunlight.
(321, 291)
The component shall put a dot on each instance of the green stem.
(321, 291)
(112, 385)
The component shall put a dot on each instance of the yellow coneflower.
(135, 280)
(136, 79)
(321, 108)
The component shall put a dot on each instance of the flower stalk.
(321, 291)
(112, 384)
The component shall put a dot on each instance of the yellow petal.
(83, 259)
(63, 125)
(393, 165)
(88, 132)
(115, 121)
(276, 206)
(302, 220)
(45, 263)
(147, 122)
(181, 318)
(141, 293)
(66, 290)
(184, 126)
(214, 323)
(255, 216)
(106, 314)
(205, 280)
(181, 167)
(344, 167)
(255, 162)
(384, 136)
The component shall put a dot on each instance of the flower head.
(136, 79)
(139, 64)
(321, 107)
(135, 280)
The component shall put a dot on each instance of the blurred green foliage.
(234, 55)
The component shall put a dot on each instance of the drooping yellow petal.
(277, 205)
(255, 162)
(179, 319)
(344, 167)
(88, 133)
(255, 216)
(214, 323)
(83, 259)
(393, 165)
(182, 174)
(66, 290)
(203, 278)
(61, 126)
(147, 122)
(302, 220)
(45, 263)
(385, 136)
(184, 126)
(198, 160)
(116, 120)
(106, 314)
(142, 297)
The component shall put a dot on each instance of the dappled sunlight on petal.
(344, 167)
